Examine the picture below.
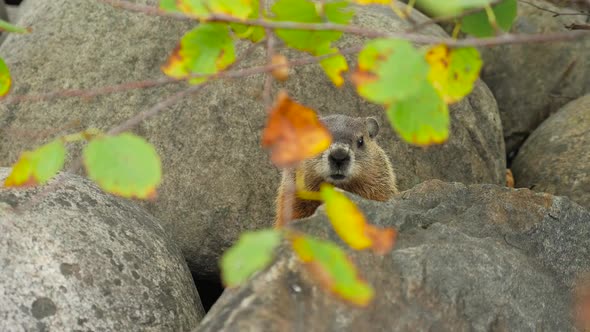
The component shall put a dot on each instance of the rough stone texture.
(468, 258)
(532, 81)
(556, 158)
(218, 181)
(82, 260)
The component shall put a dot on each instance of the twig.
(575, 26)
(127, 125)
(90, 93)
(266, 92)
(154, 110)
(555, 14)
(227, 74)
(417, 38)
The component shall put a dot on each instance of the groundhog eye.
(360, 142)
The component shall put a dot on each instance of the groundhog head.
(352, 149)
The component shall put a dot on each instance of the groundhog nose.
(339, 156)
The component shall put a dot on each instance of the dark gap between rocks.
(12, 2)
(209, 291)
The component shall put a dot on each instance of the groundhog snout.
(339, 159)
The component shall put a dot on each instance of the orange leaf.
(281, 73)
(22, 173)
(350, 223)
(294, 132)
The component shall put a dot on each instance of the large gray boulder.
(218, 181)
(467, 258)
(532, 81)
(556, 157)
(84, 260)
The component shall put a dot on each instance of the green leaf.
(438, 8)
(6, 26)
(305, 11)
(479, 25)
(252, 252)
(206, 49)
(422, 119)
(333, 269)
(37, 166)
(124, 165)
(5, 81)
(333, 66)
(453, 72)
(254, 34)
(389, 70)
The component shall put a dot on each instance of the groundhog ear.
(372, 127)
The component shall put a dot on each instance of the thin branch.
(416, 38)
(90, 93)
(555, 14)
(157, 108)
(575, 26)
(227, 74)
(127, 125)
(266, 91)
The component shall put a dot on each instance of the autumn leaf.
(422, 119)
(453, 72)
(124, 165)
(333, 66)
(205, 50)
(251, 253)
(389, 70)
(332, 269)
(294, 132)
(37, 166)
(281, 73)
(5, 81)
(350, 223)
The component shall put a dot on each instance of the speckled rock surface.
(82, 260)
(468, 258)
(532, 81)
(218, 181)
(556, 157)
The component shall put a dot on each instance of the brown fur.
(374, 178)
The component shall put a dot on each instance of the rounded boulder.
(75, 258)
(556, 158)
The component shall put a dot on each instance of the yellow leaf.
(330, 266)
(334, 66)
(453, 72)
(350, 223)
(37, 166)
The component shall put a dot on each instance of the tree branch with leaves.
(443, 71)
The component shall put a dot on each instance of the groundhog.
(354, 162)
